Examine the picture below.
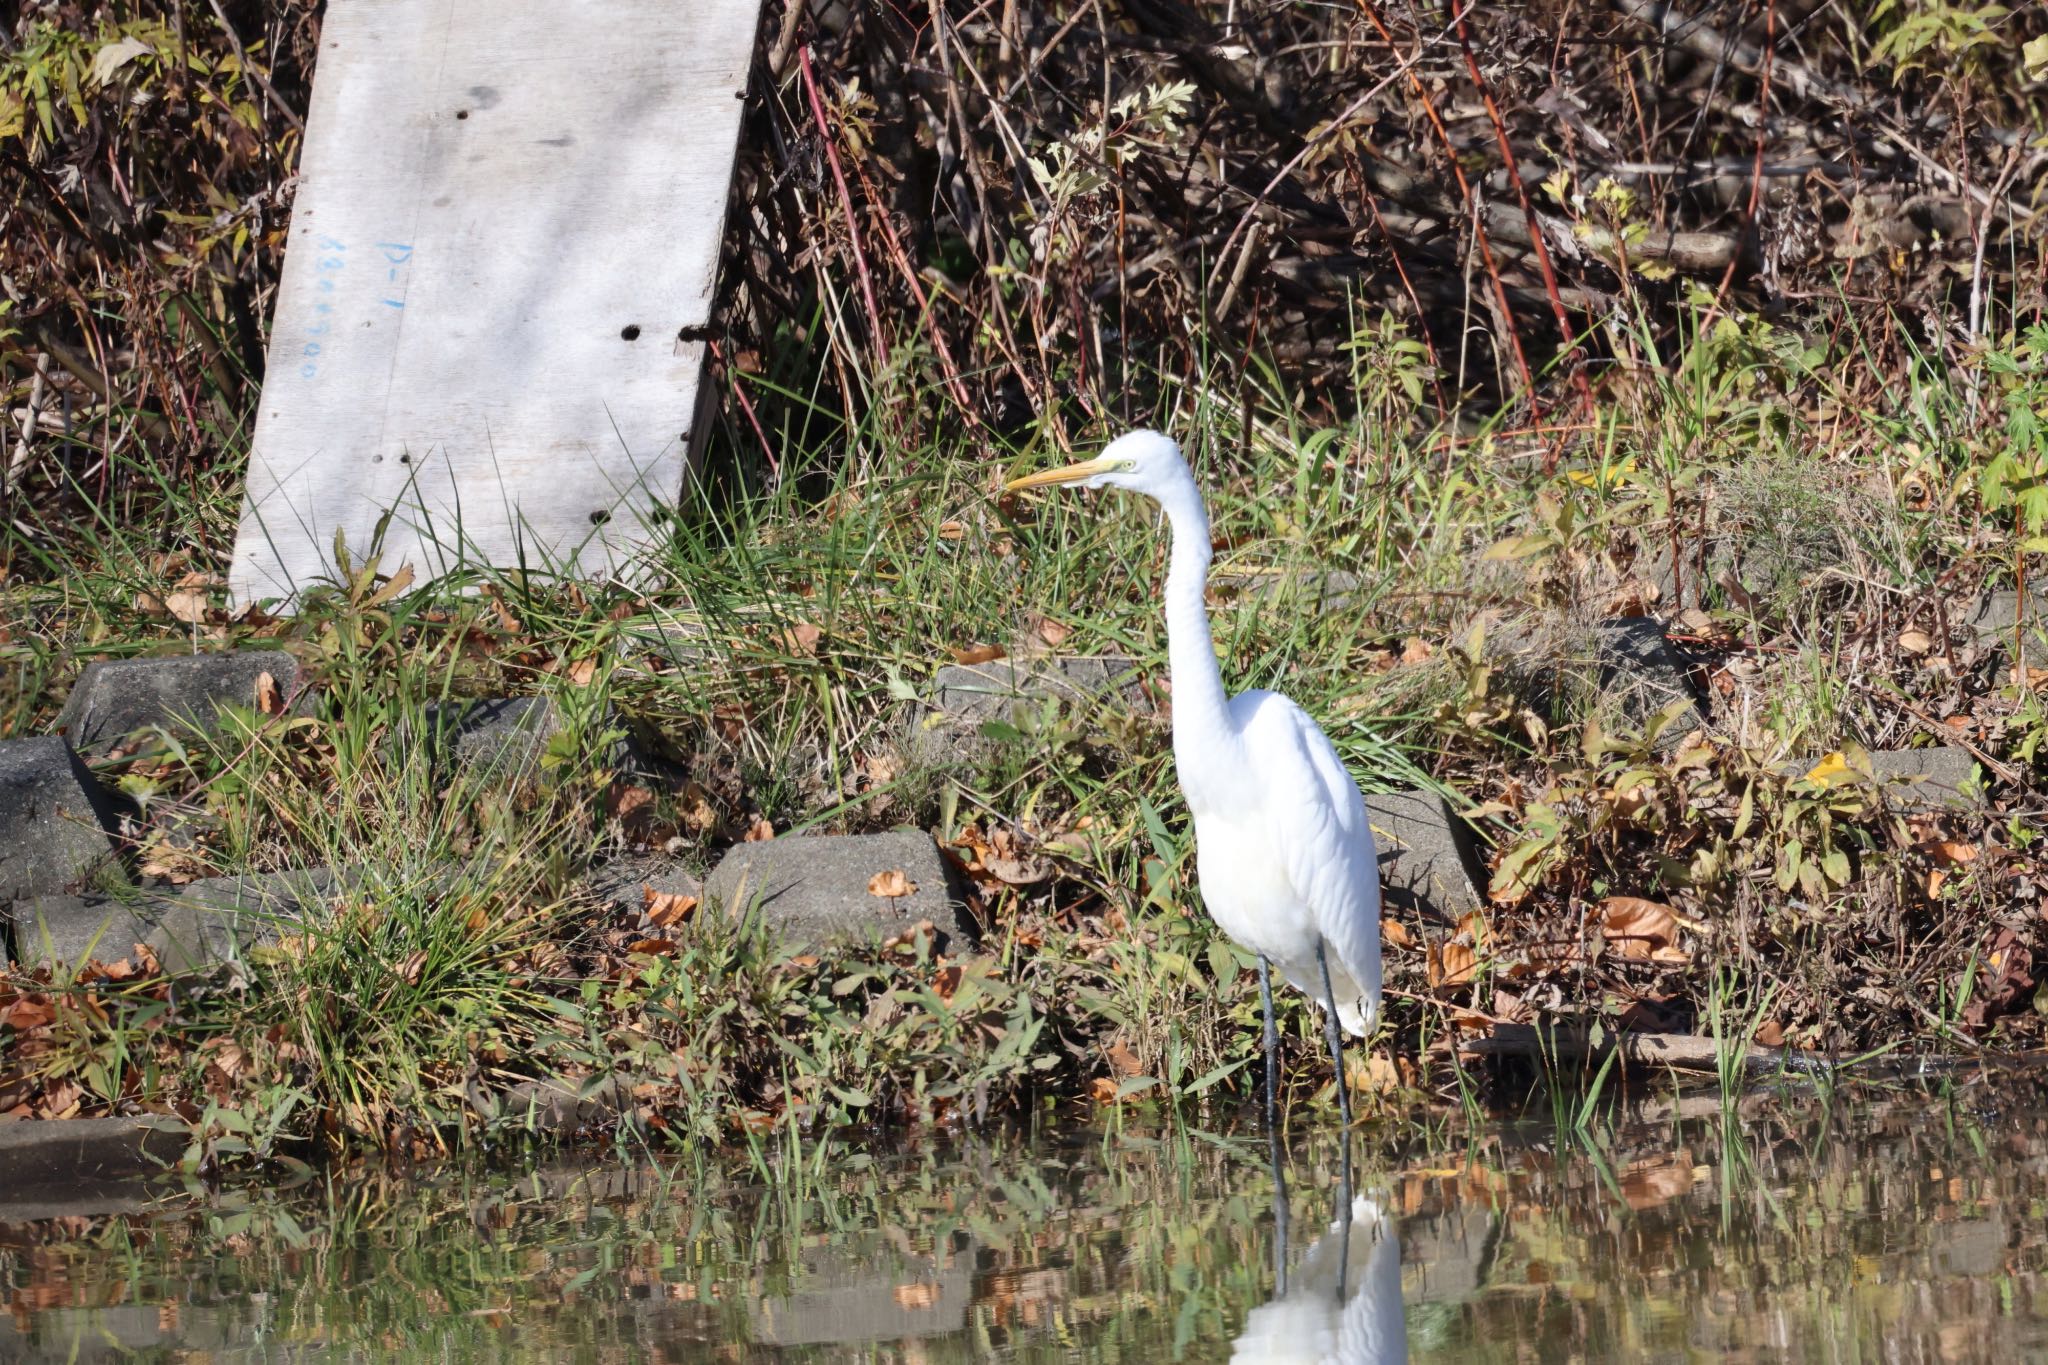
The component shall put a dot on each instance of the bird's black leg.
(1335, 1033)
(1280, 1211)
(1272, 1046)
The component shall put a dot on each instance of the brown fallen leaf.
(1454, 964)
(802, 638)
(947, 981)
(975, 654)
(951, 530)
(1102, 1090)
(1396, 934)
(1415, 650)
(665, 909)
(1122, 1060)
(1051, 633)
(1916, 641)
(759, 832)
(269, 698)
(652, 947)
(582, 671)
(891, 884)
(1639, 929)
(916, 1297)
(632, 806)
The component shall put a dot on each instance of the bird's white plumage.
(1291, 861)
(1312, 1324)
(1282, 845)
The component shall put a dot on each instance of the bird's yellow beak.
(1071, 473)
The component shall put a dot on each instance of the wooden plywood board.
(502, 252)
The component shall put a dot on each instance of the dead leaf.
(951, 530)
(802, 638)
(1051, 633)
(975, 654)
(666, 908)
(1772, 1034)
(392, 587)
(1453, 964)
(698, 810)
(1953, 852)
(908, 938)
(1122, 1060)
(916, 1297)
(633, 807)
(582, 671)
(1415, 650)
(891, 884)
(269, 700)
(652, 947)
(1915, 641)
(27, 1012)
(1395, 933)
(188, 605)
(947, 981)
(759, 832)
(1639, 929)
(1102, 1090)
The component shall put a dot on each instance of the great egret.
(1343, 1305)
(1283, 849)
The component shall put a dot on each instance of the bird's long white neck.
(1201, 712)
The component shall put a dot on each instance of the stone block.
(813, 889)
(965, 696)
(865, 1289)
(503, 736)
(621, 883)
(1639, 674)
(64, 1152)
(189, 928)
(1427, 861)
(53, 820)
(1927, 779)
(1998, 620)
(113, 699)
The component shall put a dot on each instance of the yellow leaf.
(1831, 771)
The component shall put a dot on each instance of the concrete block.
(53, 820)
(189, 928)
(1640, 674)
(866, 1289)
(813, 889)
(503, 735)
(113, 699)
(65, 1152)
(1927, 779)
(1427, 860)
(621, 883)
(965, 696)
(1998, 619)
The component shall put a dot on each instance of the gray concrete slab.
(53, 820)
(114, 699)
(1428, 859)
(813, 889)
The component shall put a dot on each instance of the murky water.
(1900, 1225)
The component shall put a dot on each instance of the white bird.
(1342, 1306)
(1283, 849)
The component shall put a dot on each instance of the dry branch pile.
(1044, 193)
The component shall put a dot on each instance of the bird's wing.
(1320, 826)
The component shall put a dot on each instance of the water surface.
(1888, 1224)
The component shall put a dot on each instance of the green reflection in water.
(1891, 1226)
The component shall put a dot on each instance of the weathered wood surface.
(500, 256)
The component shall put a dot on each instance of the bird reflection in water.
(1342, 1304)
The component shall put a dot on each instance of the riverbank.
(1783, 797)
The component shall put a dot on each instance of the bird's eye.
(1128, 466)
